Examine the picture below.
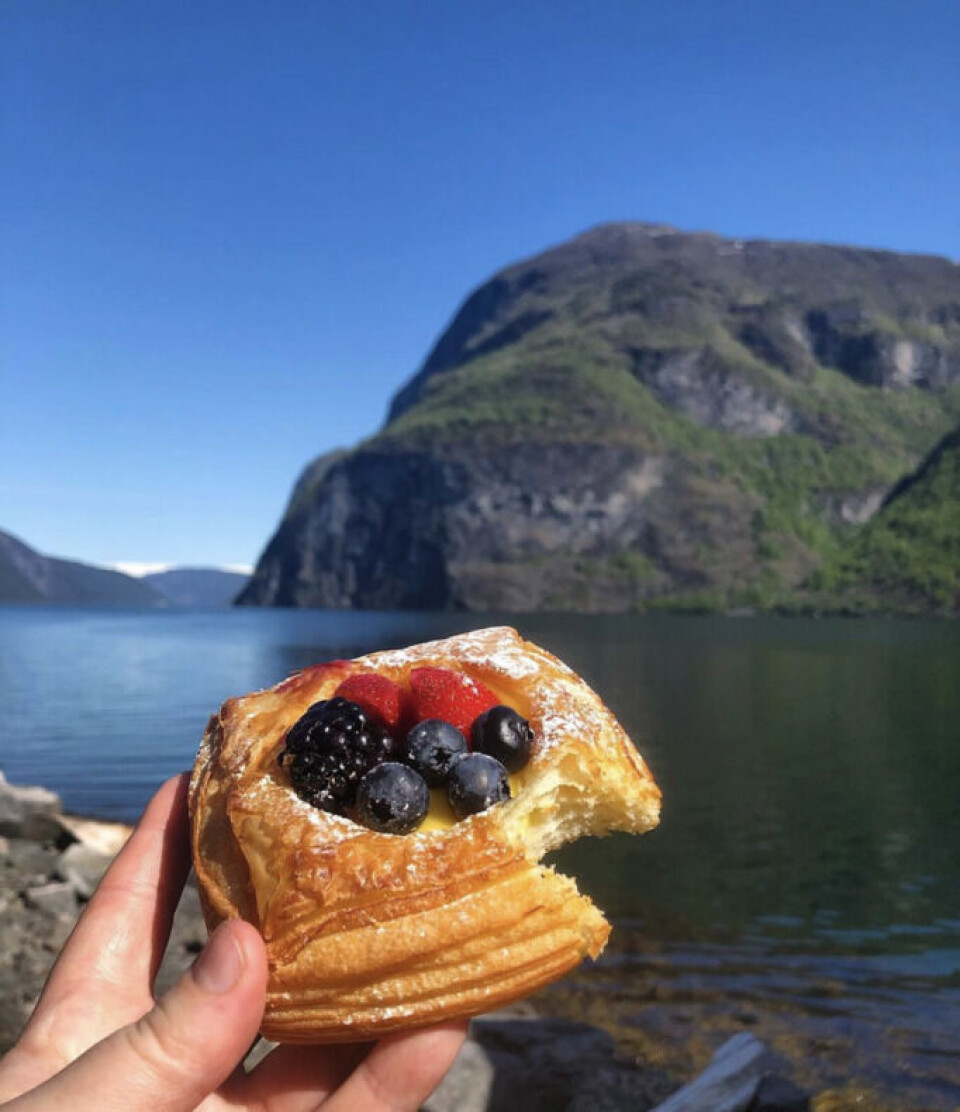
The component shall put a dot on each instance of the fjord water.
(806, 875)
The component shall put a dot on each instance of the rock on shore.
(50, 864)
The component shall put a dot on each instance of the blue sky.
(230, 230)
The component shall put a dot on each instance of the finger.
(181, 1050)
(400, 1072)
(103, 977)
(297, 1078)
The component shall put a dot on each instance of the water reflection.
(805, 880)
(807, 767)
(891, 1022)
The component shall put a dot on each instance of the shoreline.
(668, 606)
(519, 1059)
(542, 1053)
(44, 884)
(51, 862)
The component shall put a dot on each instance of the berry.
(330, 748)
(431, 748)
(475, 783)
(380, 697)
(392, 799)
(502, 733)
(452, 696)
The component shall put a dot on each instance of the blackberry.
(328, 751)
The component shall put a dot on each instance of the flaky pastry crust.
(369, 932)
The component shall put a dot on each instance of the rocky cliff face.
(533, 527)
(637, 416)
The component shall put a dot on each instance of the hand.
(99, 1042)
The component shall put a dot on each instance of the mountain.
(908, 557)
(27, 576)
(197, 586)
(637, 417)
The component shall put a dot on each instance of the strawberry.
(452, 696)
(380, 697)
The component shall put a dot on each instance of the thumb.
(181, 1050)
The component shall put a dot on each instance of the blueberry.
(392, 799)
(502, 733)
(475, 783)
(432, 746)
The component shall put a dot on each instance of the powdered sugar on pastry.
(371, 932)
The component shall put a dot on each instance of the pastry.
(368, 932)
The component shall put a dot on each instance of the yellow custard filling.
(441, 817)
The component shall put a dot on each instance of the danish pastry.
(367, 931)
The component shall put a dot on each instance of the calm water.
(811, 775)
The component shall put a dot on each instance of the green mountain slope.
(908, 557)
(637, 417)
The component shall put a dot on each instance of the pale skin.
(99, 1041)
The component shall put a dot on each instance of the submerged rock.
(740, 1078)
(533, 1064)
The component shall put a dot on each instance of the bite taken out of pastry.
(381, 821)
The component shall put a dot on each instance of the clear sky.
(230, 230)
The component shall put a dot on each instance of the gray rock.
(698, 383)
(261, 1049)
(612, 1089)
(27, 811)
(849, 338)
(105, 837)
(779, 1094)
(467, 1086)
(82, 867)
(190, 930)
(30, 935)
(476, 528)
(187, 938)
(853, 508)
(732, 1081)
(57, 898)
(543, 1065)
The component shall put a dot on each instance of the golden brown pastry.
(368, 932)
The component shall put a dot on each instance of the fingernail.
(218, 967)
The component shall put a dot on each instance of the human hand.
(99, 1042)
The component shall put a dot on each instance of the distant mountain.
(908, 557)
(28, 576)
(197, 586)
(637, 417)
